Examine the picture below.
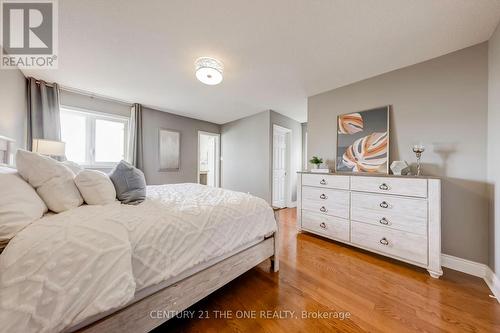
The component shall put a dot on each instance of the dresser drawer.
(413, 187)
(328, 226)
(326, 201)
(404, 245)
(406, 214)
(328, 181)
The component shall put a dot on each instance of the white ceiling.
(275, 52)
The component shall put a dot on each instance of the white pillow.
(74, 167)
(95, 187)
(19, 204)
(51, 179)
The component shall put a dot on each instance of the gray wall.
(83, 101)
(442, 103)
(153, 120)
(245, 150)
(295, 149)
(246, 146)
(13, 114)
(494, 148)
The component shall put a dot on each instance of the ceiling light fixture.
(209, 70)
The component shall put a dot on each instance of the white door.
(280, 166)
(208, 158)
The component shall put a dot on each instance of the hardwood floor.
(321, 276)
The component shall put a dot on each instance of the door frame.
(288, 161)
(217, 156)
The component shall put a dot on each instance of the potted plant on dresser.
(317, 161)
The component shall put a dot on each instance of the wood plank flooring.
(324, 277)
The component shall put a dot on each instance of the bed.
(113, 267)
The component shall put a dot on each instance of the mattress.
(68, 267)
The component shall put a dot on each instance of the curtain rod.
(85, 93)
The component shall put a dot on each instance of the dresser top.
(366, 175)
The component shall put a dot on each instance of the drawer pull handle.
(323, 209)
(383, 187)
(323, 225)
(384, 221)
(323, 197)
(384, 204)
(384, 241)
(323, 182)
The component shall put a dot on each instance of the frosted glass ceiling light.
(209, 70)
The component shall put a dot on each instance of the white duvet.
(67, 267)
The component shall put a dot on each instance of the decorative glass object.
(418, 149)
(400, 168)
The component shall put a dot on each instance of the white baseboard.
(292, 204)
(464, 265)
(493, 283)
(475, 269)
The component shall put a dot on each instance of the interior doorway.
(281, 166)
(209, 158)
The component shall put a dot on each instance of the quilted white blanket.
(67, 267)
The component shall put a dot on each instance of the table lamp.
(49, 147)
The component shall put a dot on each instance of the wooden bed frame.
(179, 296)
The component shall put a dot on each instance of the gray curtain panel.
(44, 120)
(135, 148)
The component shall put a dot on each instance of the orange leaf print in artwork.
(367, 154)
(350, 123)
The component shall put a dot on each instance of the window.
(94, 139)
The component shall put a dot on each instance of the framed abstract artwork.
(169, 150)
(363, 141)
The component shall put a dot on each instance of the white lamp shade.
(209, 76)
(48, 147)
(209, 70)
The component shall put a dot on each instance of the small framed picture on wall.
(169, 144)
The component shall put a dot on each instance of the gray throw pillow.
(129, 182)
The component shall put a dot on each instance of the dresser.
(395, 216)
